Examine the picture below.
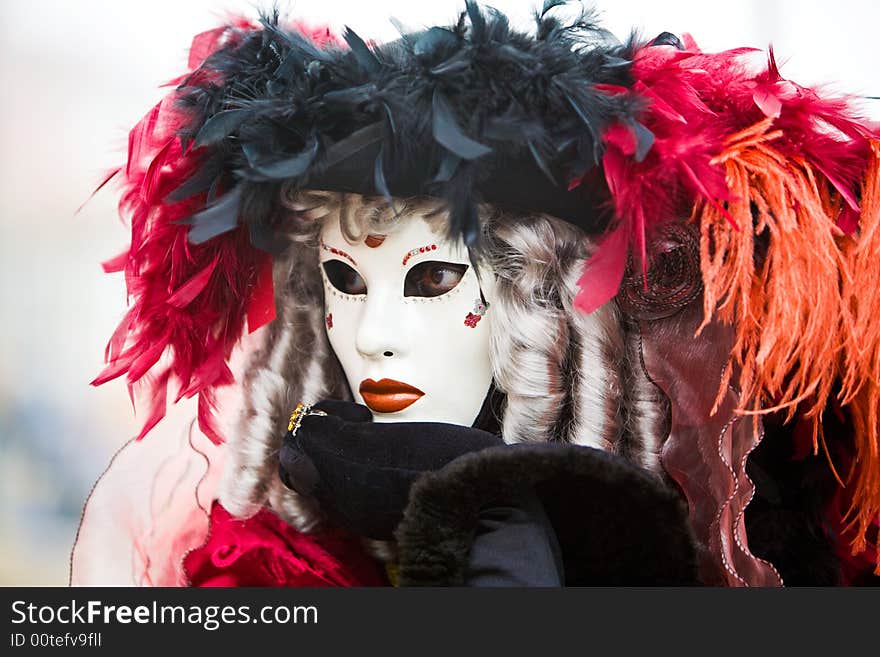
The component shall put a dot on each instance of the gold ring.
(296, 417)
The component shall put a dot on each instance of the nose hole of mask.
(388, 353)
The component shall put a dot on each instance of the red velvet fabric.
(265, 551)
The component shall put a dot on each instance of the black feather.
(379, 177)
(448, 165)
(550, 4)
(214, 190)
(644, 140)
(251, 154)
(389, 114)
(198, 183)
(290, 66)
(435, 40)
(464, 219)
(541, 163)
(216, 219)
(510, 127)
(362, 53)
(582, 114)
(454, 64)
(220, 126)
(352, 95)
(405, 33)
(668, 39)
(448, 133)
(478, 22)
(463, 112)
(616, 62)
(292, 167)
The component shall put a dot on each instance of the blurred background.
(76, 75)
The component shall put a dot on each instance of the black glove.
(361, 471)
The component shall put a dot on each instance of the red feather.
(153, 172)
(207, 424)
(110, 175)
(158, 404)
(116, 263)
(148, 357)
(695, 101)
(114, 370)
(117, 340)
(190, 303)
(603, 272)
(183, 295)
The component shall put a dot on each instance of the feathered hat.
(779, 184)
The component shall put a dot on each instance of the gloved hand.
(361, 471)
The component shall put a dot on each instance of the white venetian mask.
(406, 319)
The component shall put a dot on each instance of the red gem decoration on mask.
(338, 252)
(421, 249)
(329, 320)
(471, 320)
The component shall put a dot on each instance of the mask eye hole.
(432, 278)
(344, 278)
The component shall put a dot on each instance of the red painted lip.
(388, 395)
